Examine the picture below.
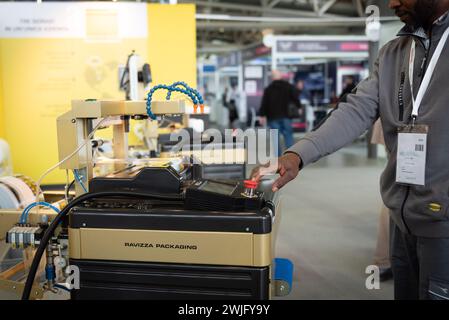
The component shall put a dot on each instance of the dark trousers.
(284, 127)
(420, 266)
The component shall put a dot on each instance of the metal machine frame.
(245, 249)
(75, 126)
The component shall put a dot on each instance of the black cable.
(125, 85)
(67, 190)
(126, 71)
(54, 224)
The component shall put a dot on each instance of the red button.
(250, 184)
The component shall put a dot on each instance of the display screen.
(216, 187)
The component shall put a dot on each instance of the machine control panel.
(224, 196)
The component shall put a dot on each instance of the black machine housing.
(198, 205)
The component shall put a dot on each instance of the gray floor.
(329, 227)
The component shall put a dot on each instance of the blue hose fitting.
(50, 273)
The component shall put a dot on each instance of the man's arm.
(346, 123)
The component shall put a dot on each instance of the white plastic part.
(5, 159)
(133, 78)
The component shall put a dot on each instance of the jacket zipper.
(421, 72)
(426, 56)
(401, 97)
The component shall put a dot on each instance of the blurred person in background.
(275, 111)
(224, 97)
(234, 103)
(349, 86)
(303, 92)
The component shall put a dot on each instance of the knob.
(250, 188)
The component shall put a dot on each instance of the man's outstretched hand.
(287, 166)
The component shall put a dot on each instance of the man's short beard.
(424, 12)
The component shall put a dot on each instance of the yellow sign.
(2, 115)
(41, 72)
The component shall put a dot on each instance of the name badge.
(411, 156)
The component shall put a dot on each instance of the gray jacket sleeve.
(345, 124)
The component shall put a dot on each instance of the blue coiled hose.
(178, 86)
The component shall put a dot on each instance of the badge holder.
(411, 155)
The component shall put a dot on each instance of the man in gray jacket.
(409, 90)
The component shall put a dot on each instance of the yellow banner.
(40, 76)
(2, 116)
(172, 43)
